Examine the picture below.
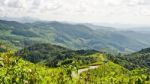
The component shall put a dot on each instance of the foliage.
(110, 73)
(51, 55)
(14, 70)
(139, 59)
(17, 71)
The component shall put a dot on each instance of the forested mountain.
(21, 19)
(140, 59)
(52, 55)
(74, 36)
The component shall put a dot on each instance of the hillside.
(54, 56)
(16, 70)
(140, 59)
(111, 73)
(74, 36)
(74, 42)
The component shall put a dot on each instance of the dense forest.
(53, 64)
(140, 59)
(53, 55)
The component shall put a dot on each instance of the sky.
(95, 11)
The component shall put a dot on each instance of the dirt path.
(76, 75)
(86, 69)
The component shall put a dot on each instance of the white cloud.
(121, 11)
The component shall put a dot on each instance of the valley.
(63, 53)
(74, 41)
(74, 36)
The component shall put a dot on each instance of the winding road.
(76, 75)
(86, 69)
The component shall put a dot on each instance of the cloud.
(12, 3)
(128, 11)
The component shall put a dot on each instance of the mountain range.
(74, 36)
(51, 52)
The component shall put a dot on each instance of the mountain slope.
(74, 36)
(16, 70)
(140, 59)
(111, 73)
(52, 55)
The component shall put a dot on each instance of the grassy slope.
(111, 73)
(16, 70)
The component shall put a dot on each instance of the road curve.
(86, 69)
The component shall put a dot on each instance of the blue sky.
(97, 11)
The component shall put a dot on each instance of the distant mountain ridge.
(21, 19)
(74, 36)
